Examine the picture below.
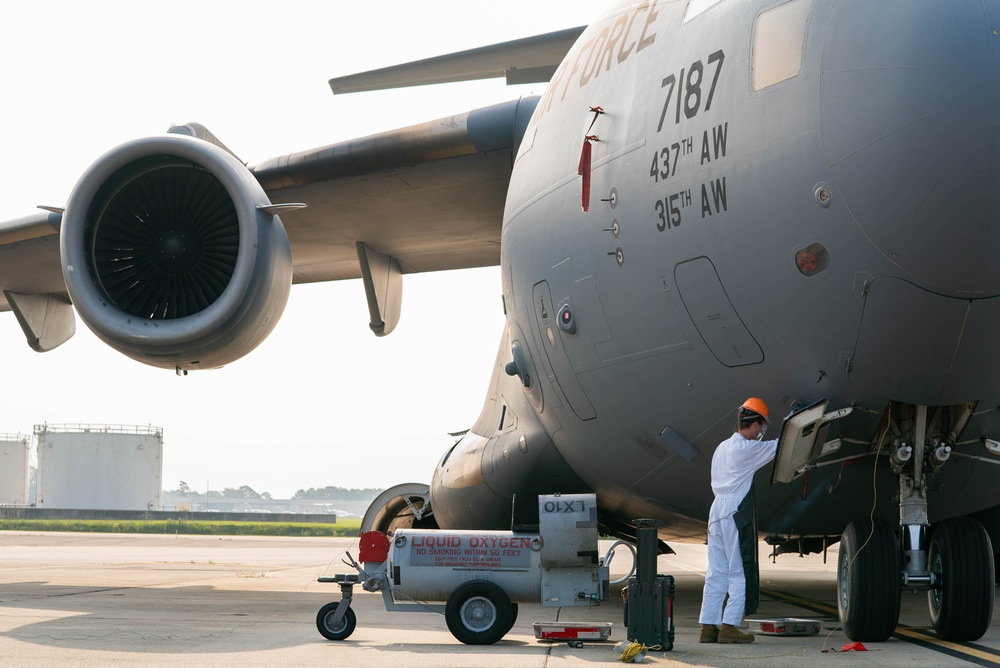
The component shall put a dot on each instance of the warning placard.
(471, 551)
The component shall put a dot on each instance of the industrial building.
(101, 467)
(15, 469)
(95, 471)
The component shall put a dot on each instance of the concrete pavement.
(124, 600)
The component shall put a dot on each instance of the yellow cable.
(634, 649)
(630, 652)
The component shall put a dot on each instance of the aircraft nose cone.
(910, 107)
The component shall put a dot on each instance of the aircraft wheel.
(395, 507)
(331, 631)
(961, 603)
(479, 613)
(868, 580)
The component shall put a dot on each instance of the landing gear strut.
(952, 561)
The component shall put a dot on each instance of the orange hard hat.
(755, 405)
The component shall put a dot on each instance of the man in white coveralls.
(733, 467)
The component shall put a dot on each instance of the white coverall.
(733, 466)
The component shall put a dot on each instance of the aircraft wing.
(29, 256)
(431, 195)
(427, 197)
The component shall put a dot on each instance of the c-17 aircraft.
(711, 200)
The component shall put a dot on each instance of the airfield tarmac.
(128, 600)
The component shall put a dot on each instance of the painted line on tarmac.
(676, 564)
(922, 637)
(807, 603)
(971, 652)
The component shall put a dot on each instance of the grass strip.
(344, 527)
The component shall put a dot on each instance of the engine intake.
(171, 256)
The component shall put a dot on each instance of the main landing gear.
(952, 560)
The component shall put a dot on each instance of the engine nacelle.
(170, 255)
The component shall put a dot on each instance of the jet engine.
(172, 254)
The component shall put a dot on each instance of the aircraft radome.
(711, 200)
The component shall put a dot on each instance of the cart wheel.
(513, 619)
(479, 613)
(341, 631)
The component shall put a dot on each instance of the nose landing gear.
(868, 590)
(955, 566)
(960, 559)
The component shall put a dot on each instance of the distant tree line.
(337, 494)
(242, 492)
(311, 494)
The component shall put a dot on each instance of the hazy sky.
(322, 401)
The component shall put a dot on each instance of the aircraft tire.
(868, 577)
(342, 631)
(479, 613)
(960, 554)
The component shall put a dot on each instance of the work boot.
(730, 634)
(709, 633)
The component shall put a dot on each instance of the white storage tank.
(15, 463)
(99, 467)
